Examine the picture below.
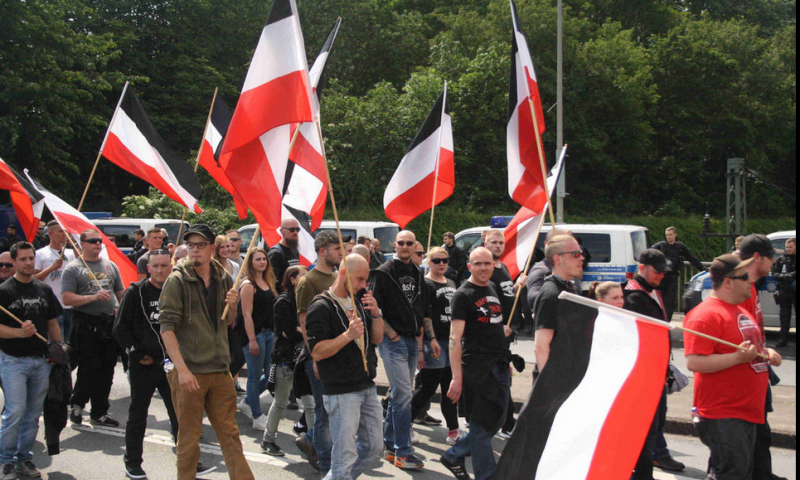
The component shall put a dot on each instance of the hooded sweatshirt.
(403, 309)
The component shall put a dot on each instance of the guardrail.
(686, 274)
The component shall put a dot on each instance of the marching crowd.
(314, 337)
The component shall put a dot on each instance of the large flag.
(26, 200)
(591, 407)
(305, 242)
(74, 222)
(133, 144)
(429, 161)
(212, 146)
(523, 231)
(525, 182)
(276, 94)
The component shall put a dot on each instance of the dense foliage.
(658, 94)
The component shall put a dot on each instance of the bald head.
(404, 245)
(480, 253)
(362, 250)
(290, 231)
(355, 267)
(481, 266)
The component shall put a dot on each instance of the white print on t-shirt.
(30, 306)
(446, 292)
(508, 288)
(491, 311)
(751, 332)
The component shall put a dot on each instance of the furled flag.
(74, 222)
(212, 145)
(26, 200)
(591, 407)
(525, 182)
(305, 242)
(133, 144)
(428, 162)
(276, 94)
(523, 231)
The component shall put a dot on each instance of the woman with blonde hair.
(222, 253)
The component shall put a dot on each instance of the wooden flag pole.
(527, 266)
(436, 169)
(359, 342)
(541, 160)
(102, 146)
(3, 309)
(255, 239)
(79, 253)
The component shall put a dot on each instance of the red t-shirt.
(736, 392)
(753, 306)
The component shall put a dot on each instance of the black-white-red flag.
(134, 145)
(27, 201)
(429, 161)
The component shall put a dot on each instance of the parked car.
(698, 288)
(122, 228)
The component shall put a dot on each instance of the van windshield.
(386, 235)
(123, 234)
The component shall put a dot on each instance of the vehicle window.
(247, 237)
(386, 235)
(122, 233)
(639, 242)
(468, 242)
(598, 245)
(173, 230)
(779, 244)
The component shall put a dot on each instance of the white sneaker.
(453, 436)
(504, 435)
(244, 407)
(414, 439)
(260, 423)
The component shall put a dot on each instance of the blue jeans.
(356, 432)
(321, 437)
(257, 366)
(65, 324)
(25, 381)
(400, 362)
(732, 443)
(478, 442)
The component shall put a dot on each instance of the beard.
(291, 243)
(197, 263)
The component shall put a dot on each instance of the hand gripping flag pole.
(14, 317)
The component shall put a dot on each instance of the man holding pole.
(399, 288)
(24, 372)
(51, 261)
(87, 285)
(730, 388)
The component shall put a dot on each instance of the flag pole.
(436, 168)
(14, 317)
(255, 238)
(102, 146)
(359, 342)
(197, 160)
(636, 316)
(541, 159)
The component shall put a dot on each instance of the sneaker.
(260, 423)
(413, 438)
(669, 464)
(244, 407)
(452, 437)
(202, 469)
(239, 389)
(27, 469)
(389, 455)
(299, 428)
(105, 421)
(7, 472)
(457, 469)
(427, 420)
(504, 435)
(272, 448)
(135, 472)
(76, 414)
(409, 462)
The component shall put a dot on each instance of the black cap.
(723, 265)
(200, 229)
(655, 259)
(756, 243)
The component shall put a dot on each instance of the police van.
(698, 288)
(614, 249)
(122, 229)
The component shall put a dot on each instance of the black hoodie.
(136, 327)
(404, 316)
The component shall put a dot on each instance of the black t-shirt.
(505, 285)
(406, 276)
(480, 308)
(441, 294)
(281, 258)
(150, 297)
(545, 310)
(32, 301)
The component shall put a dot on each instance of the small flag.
(592, 405)
(430, 159)
(26, 200)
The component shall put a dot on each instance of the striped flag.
(26, 200)
(305, 242)
(591, 407)
(430, 159)
(523, 231)
(525, 182)
(133, 144)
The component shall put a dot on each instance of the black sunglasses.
(421, 254)
(94, 241)
(745, 276)
(437, 261)
(574, 253)
(401, 243)
(292, 229)
(6, 265)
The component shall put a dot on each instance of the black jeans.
(732, 445)
(430, 380)
(145, 379)
(97, 355)
(787, 301)
(669, 288)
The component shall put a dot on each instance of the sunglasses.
(292, 229)
(573, 253)
(401, 243)
(197, 245)
(235, 239)
(438, 261)
(6, 265)
(421, 254)
(745, 277)
(93, 241)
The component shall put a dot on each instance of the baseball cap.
(756, 243)
(200, 229)
(723, 265)
(655, 259)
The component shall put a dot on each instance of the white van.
(383, 231)
(614, 248)
(122, 228)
